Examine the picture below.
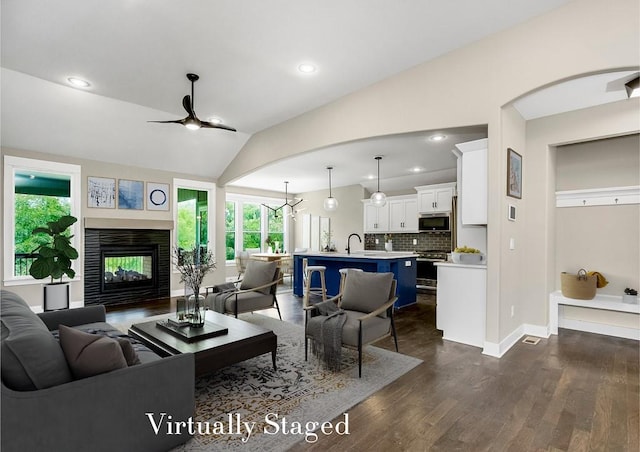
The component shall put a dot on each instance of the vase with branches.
(193, 266)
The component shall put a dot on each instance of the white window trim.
(239, 199)
(210, 188)
(11, 165)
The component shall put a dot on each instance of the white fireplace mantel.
(127, 223)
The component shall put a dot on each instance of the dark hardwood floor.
(572, 392)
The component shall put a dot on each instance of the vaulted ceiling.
(135, 54)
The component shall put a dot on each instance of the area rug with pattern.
(252, 407)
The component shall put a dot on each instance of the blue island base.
(403, 267)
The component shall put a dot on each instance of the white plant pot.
(388, 246)
(56, 296)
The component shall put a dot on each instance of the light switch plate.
(512, 244)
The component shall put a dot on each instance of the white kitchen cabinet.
(435, 198)
(462, 299)
(473, 183)
(403, 214)
(376, 219)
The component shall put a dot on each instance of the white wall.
(33, 293)
(600, 238)
(543, 137)
(585, 37)
(348, 218)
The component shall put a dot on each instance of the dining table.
(270, 257)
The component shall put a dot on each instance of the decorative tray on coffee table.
(192, 334)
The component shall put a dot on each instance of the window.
(248, 225)
(230, 229)
(193, 215)
(275, 229)
(194, 204)
(251, 226)
(36, 191)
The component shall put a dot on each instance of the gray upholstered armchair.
(256, 291)
(367, 302)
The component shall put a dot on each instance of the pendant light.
(378, 199)
(330, 203)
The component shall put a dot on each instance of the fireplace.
(126, 265)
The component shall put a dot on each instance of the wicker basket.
(580, 286)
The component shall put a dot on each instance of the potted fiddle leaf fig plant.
(54, 258)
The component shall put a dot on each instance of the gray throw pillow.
(259, 273)
(31, 356)
(366, 291)
(128, 351)
(90, 354)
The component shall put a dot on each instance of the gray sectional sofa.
(46, 408)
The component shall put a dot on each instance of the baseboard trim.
(497, 350)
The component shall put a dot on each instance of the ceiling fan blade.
(186, 103)
(176, 121)
(210, 125)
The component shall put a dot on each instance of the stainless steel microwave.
(434, 222)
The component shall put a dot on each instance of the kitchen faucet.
(348, 248)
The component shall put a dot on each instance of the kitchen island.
(401, 264)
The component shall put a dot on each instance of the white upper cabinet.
(435, 198)
(403, 214)
(472, 157)
(376, 219)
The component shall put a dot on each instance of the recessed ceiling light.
(306, 68)
(416, 169)
(438, 137)
(78, 82)
(215, 120)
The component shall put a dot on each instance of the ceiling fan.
(192, 122)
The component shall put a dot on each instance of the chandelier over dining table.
(291, 204)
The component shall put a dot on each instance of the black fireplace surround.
(126, 265)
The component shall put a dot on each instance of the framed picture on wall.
(511, 213)
(157, 196)
(130, 194)
(101, 192)
(514, 174)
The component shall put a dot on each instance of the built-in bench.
(600, 302)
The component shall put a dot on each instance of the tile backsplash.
(404, 242)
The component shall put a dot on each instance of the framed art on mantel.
(157, 196)
(101, 192)
(514, 174)
(130, 194)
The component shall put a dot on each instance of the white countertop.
(361, 254)
(453, 264)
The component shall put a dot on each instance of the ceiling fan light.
(192, 124)
(378, 199)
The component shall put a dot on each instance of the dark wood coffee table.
(243, 341)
